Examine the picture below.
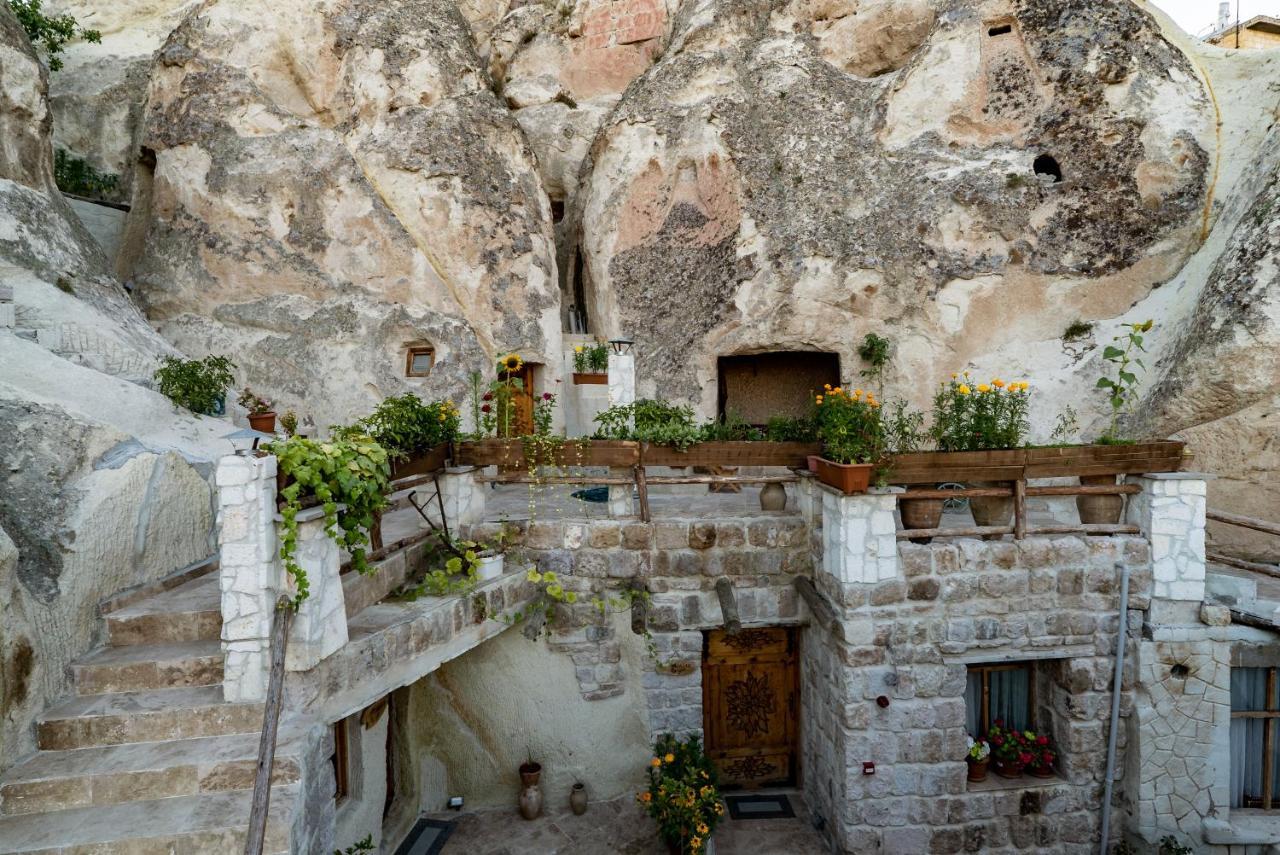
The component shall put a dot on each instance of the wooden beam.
(261, 803)
(1243, 521)
(1092, 528)
(642, 492)
(1019, 509)
(728, 606)
(1247, 619)
(819, 606)
(961, 531)
(1241, 564)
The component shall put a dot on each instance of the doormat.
(759, 807)
(426, 838)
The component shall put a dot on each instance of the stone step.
(85, 777)
(155, 716)
(205, 824)
(137, 668)
(189, 612)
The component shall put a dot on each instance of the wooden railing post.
(1019, 509)
(270, 728)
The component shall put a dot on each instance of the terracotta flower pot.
(530, 773)
(920, 513)
(848, 478)
(1007, 768)
(978, 769)
(264, 422)
(590, 378)
(773, 497)
(578, 799)
(991, 510)
(1040, 771)
(1099, 510)
(812, 461)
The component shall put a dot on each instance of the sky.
(1199, 16)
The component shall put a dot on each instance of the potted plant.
(415, 433)
(199, 385)
(1043, 757)
(682, 796)
(530, 791)
(978, 757)
(261, 416)
(1010, 749)
(852, 438)
(591, 364)
(982, 417)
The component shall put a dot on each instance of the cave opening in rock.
(1179, 671)
(759, 385)
(1000, 30)
(1047, 164)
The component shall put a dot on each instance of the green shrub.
(405, 425)
(787, 429)
(51, 33)
(75, 175)
(591, 359)
(196, 384)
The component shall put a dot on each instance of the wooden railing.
(1242, 521)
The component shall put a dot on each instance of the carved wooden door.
(521, 418)
(750, 689)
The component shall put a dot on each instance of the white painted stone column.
(463, 496)
(859, 535)
(320, 624)
(622, 378)
(809, 499)
(1170, 513)
(249, 572)
(620, 504)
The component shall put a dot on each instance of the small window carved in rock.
(419, 360)
(1000, 30)
(557, 210)
(1047, 165)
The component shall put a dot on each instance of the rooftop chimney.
(1224, 15)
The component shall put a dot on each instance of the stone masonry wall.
(958, 602)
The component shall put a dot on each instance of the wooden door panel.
(750, 686)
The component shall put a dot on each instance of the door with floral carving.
(750, 702)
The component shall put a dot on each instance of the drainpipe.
(1115, 707)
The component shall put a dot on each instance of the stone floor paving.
(618, 826)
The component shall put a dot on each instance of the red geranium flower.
(1042, 740)
(485, 408)
(1024, 758)
(488, 396)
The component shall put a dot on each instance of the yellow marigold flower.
(818, 400)
(646, 797)
(966, 374)
(964, 390)
(983, 387)
(857, 392)
(670, 758)
(954, 375)
(655, 762)
(837, 391)
(577, 348)
(998, 383)
(826, 386)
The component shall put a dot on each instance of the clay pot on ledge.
(578, 799)
(920, 513)
(1099, 510)
(1007, 768)
(590, 378)
(1040, 771)
(530, 774)
(991, 510)
(530, 792)
(848, 478)
(978, 769)
(263, 422)
(773, 497)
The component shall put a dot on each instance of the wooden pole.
(728, 606)
(1243, 521)
(1240, 563)
(1019, 509)
(964, 531)
(642, 491)
(270, 727)
(823, 612)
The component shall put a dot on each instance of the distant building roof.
(1262, 23)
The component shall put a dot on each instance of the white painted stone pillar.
(320, 624)
(622, 378)
(1170, 513)
(249, 572)
(859, 535)
(620, 504)
(463, 496)
(809, 499)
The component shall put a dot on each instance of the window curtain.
(1248, 692)
(973, 705)
(1010, 698)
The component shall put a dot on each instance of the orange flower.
(655, 762)
(983, 387)
(818, 400)
(999, 384)
(670, 758)
(646, 797)
(826, 386)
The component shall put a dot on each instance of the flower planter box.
(510, 453)
(757, 453)
(848, 478)
(432, 460)
(936, 467)
(590, 378)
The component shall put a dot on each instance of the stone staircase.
(146, 756)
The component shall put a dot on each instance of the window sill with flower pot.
(994, 782)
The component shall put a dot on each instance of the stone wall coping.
(460, 470)
(871, 491)
(1178, 476)
(307, 514)
(1244, 828)
(995, 654)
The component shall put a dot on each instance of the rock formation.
(102, 484)
(332, 183)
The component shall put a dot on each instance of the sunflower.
(511, 363)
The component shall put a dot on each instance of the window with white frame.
(1255, 750)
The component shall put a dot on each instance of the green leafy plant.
(289, 423)
(544, 409)
(650, 420)
(1169, 845)
(683, 797)
(51, 32)
(349, 477)
(903, 428)
(405, 425)
(197, 384)
(982, 417)
(732, 428)
(787, 429)
(76, 175)
(874, 351)
(850, 425)
(1122, 391)
(365, 845)
(253, 403)
(539, 613)
(591, 359)
(1077, 330)
(1065, 428)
